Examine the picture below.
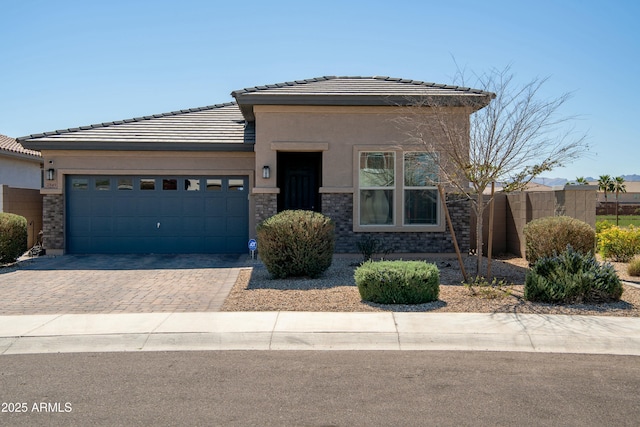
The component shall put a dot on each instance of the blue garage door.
(156, 214)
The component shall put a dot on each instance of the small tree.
(512, 140)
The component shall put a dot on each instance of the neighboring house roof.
(630, 186)
(216, 127)
(531, 186)
(356, 90)
(11, 147)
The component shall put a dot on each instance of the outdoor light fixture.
(50, 174)
(266, 172)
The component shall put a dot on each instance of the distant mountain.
(550, 182)
(562, 181)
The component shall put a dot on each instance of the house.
(199, 180)
(20, 182)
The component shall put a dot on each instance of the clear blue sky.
(73, 63)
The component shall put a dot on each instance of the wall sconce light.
(50, 174)
(266, 172)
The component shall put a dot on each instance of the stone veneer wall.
(339, 207)
(266, 206)
(53, 221)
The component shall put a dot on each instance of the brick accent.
(53, 221)
(339, 207)
(266, 206)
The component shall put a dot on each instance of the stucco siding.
(19, 173)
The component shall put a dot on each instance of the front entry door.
(299, 176)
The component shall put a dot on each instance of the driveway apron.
(119, 284)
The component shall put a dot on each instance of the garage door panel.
(215, 207)
(102, 226)
(102, 206)
(195, 218)
(236, 226)
(125, 226)
(192, 207)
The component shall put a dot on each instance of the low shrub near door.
(398, 282)
(296, 243)
(572, 277)
(13, 237)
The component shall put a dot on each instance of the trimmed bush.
(546, 237)
(619, 244)
(634, 267)
(13, 237)
(572, 277)
(398, 282)
(296, 243)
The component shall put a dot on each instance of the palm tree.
(581, 180)
(618, 187)
(605, 183)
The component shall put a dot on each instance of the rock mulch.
(336, 291)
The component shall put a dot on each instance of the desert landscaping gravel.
(336, 291)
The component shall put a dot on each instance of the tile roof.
(195, 128)
(355, 90)
(357, 85)
(10, 145)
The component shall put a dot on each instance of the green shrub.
(619, 244)
(548, 236)
(634, 267)
(572, 277)
(398, 282)
(13, 237)
(296, 243)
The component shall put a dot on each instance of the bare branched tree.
(512, 140)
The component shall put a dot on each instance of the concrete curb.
(318, 331)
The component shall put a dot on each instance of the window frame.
(433, 187)
(399, 223)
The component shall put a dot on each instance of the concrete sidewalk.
(318, 331)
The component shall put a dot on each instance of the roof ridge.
(123, 121)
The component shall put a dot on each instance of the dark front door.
(299, 176)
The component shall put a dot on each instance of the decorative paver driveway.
(118, 284)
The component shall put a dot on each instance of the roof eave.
(22, 156)
(246, 101)
(137, 146)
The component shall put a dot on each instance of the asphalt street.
(332, 388)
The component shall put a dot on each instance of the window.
(397, 191)
(420, 192)
(377, 183)
(103, 184)
(147, 184)
(79, 183)
(214, 184)
(169, 184)
(192, 184)
(236, 184)
(125, 184)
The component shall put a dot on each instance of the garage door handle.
(158, 225)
